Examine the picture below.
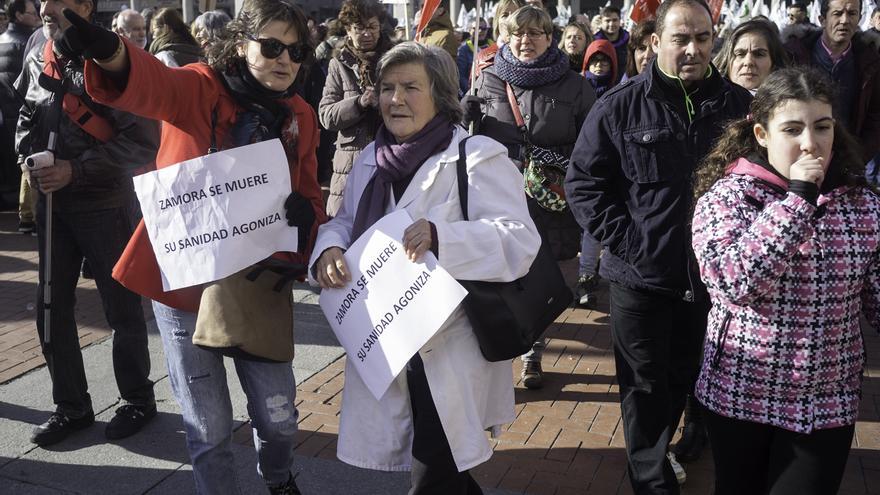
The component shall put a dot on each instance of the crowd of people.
(720, 181)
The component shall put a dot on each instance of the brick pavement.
(567, 438)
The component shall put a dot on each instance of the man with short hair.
(844, 53)
(132, 25)
(92, 217)
(875, 21)
(797, 14)
(610, 30)
(24, 20)
(629, 185)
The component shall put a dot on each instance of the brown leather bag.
(237, 315)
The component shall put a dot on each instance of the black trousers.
(98, 236)
(433, 470)
(761, 459)
(657, 341)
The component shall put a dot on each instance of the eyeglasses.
(359, 29)
(272, 48)
(532, 35)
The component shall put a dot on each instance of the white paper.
(392, 306)
(217, 214)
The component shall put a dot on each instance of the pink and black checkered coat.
(788, 282)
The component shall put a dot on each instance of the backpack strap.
(75, 108)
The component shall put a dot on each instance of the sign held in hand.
(217, 214)
(392, 306)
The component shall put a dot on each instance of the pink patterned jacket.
(788, 282)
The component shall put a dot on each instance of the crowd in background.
(671, 177)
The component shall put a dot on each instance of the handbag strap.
(461, 173)
(514, 106)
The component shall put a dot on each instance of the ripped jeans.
(198, 380)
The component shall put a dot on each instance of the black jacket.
(630, 180)
(12, 44)
(101, 171)
(553, 113)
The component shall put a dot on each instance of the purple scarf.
(397, 161)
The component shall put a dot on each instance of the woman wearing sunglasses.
(243, 95)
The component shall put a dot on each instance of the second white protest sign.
(392, 306)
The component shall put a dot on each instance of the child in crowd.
(787, 238)
(600, 66)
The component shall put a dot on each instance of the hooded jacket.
(439, 32)
(605, 47)
(629, 182)
(788, 281)
(864, 115)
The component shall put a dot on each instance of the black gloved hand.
(288, 272)
(84, 39)
(301, 215)
(471, 106)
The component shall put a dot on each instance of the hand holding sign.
(331, 270)
(418, 238)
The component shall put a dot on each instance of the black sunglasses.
(272, 48)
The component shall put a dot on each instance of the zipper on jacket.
(722, 339)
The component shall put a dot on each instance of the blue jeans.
(99, 236)
(198, 380)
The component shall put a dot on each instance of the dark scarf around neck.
(265, 114)
(398, 162)
(546, 69)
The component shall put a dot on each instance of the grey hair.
(442, 72)
(213, 22)
(125, 16)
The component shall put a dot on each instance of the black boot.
(287, 488)
(693, 436)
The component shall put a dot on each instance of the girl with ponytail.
(787, 236)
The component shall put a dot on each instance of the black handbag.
(508, 317)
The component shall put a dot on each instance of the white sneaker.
(680, 475)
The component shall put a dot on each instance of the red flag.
(644, 10)
(715, 7)
(428, 9)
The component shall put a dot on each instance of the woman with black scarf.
(553, 101)
(244, 96)
(350, 102)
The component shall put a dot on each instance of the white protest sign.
(217, 214)
(392, 306)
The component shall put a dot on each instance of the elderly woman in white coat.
(433, 418)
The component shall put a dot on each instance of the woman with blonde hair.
(530, 99)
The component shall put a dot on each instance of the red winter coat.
(183, 98)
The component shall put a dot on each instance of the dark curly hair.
(254, 16)
(793, 83)
(360, 11)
